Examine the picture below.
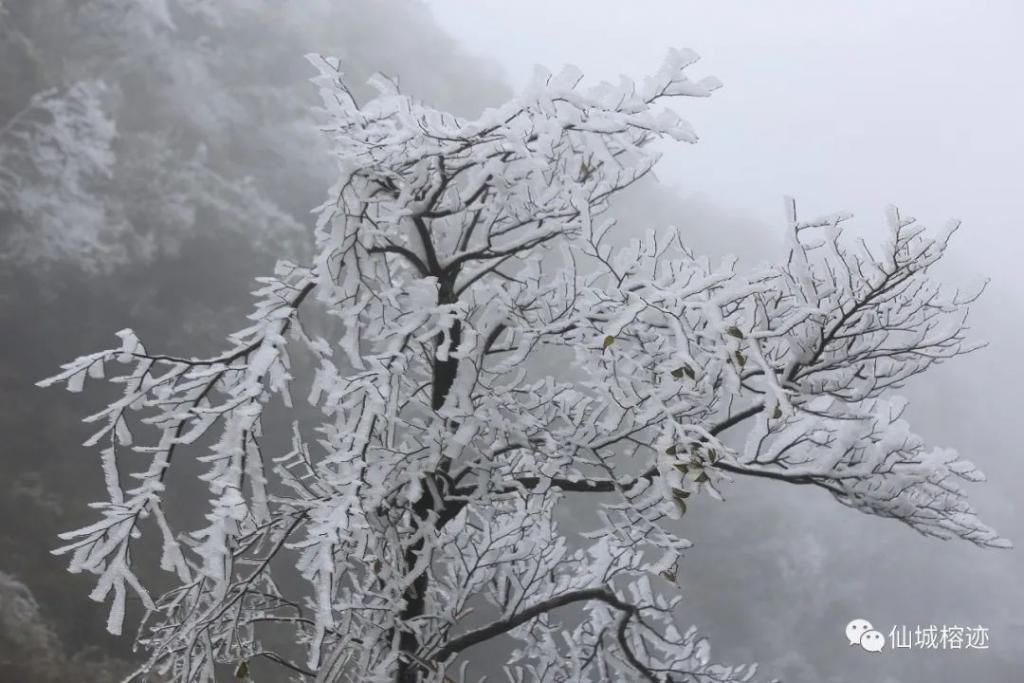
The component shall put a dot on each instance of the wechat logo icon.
(861, 632)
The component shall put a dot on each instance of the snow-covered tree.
(53, 154)
(501, 354)
(116, 134)
(30, 649)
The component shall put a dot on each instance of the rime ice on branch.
(454, 254)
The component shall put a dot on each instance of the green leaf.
(678, 373)
(679, 501)
(734, 331)
(584, 170)
(671, 450)
(684, 370)
(777, 413)
(713, 455)
(701, 478)
(741, 360)
(608, 341)
(242, 671)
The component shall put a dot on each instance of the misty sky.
(845, 106)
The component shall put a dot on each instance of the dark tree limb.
(605, 595)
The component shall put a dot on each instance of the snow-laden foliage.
(31, 651)
(117, 136)
(458, 256)
(53, 154)
(22, 629)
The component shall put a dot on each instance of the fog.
(843, 106)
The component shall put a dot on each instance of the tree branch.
(605, 595)
(433, 266)
(409, 256)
